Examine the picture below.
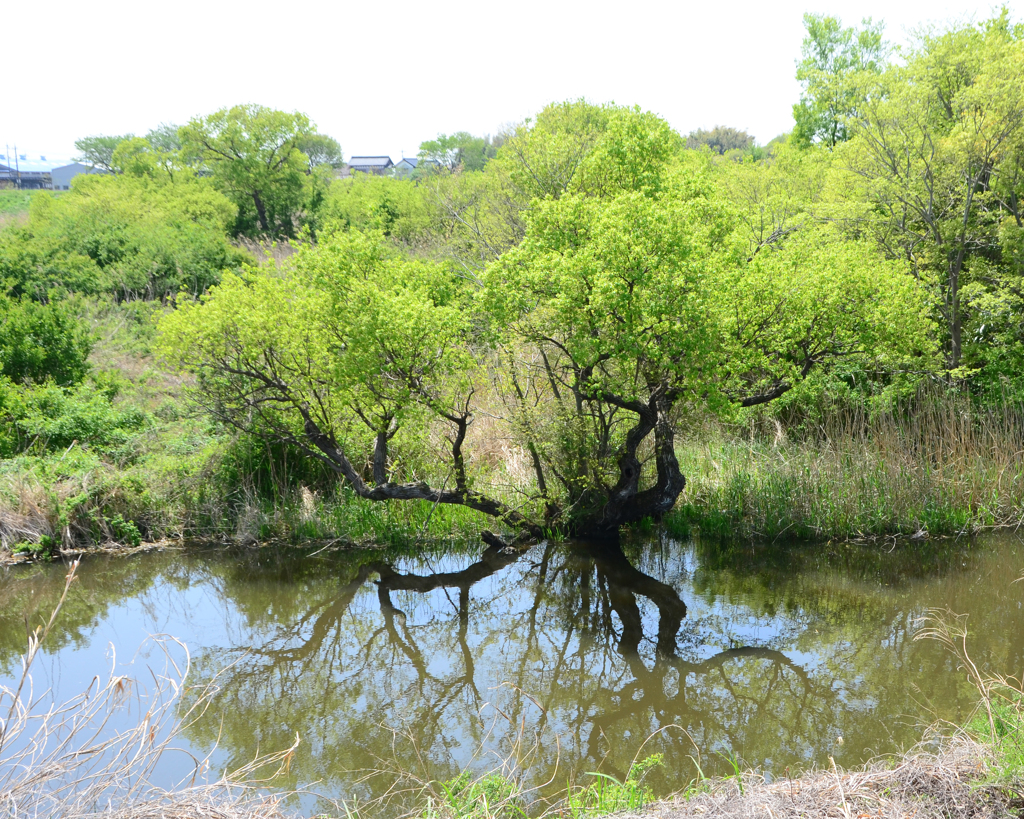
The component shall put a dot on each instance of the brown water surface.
(779, 657)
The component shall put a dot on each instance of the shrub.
(42, 342)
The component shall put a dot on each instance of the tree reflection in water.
(772, 656)
(578, 629)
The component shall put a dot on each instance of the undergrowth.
(935, 465)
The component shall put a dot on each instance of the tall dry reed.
(935, 465)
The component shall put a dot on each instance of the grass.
(937, 465)
(14, 203)
(999, 722)
(607, 795)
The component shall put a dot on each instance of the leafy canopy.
(126, 235)
(255, 157)
(632, 294)
(833, 62)
(42, 342)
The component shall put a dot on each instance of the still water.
(779, 657)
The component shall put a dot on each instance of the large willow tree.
(632, 298)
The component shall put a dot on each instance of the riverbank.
(948, 784)
(123, 458)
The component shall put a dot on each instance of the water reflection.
(593, 648)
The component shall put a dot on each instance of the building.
(28, 180)
(61, 177)
(370, 164)
(406, 166)
(409, 164)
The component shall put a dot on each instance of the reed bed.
(936, 465)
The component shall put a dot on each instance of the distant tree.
(459, 150)
(832, 59)
(720, 139)
(98, 150)
(164, 137)
(321, 150)
(938, 150)
(158, 152)
(255, 156)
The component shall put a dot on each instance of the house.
(62, 176)
(370, 164)
(409, 164)
(406, 166)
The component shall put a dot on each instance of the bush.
(42, 342)
(129, 236)
(50, 418)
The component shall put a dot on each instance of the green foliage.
(543, 156)
(487, 797)
(49, 418)
(129, 236)
(42, 342)
(459, 150)
(936, 163)
(720, 139)
(321, 151)
(608, 795)
(14, 203)
(255, 157)
(98, 151)
(833, 62)
(125, 531)
(626, 285)
(397, 208)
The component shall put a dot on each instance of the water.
(574, 657)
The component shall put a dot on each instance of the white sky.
(383, 78)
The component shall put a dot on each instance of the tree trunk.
(261, 212)
(626, 503)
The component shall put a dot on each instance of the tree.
(938, 152)
(833, 60)
(628, 299)
(164, 138)
(459, 150)
(98, 151)
(720, 139)
(129, 235)
(321, 151)
(159, 152)
(254, 155)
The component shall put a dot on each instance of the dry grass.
(70, 759)
(938, 465)
(921, 785)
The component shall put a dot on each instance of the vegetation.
(255, 157)
(560, 331)
(931, 464)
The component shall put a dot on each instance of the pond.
(575, 657)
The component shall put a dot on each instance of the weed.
(609, 795)
(488, 797)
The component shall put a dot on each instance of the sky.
(382, 78)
